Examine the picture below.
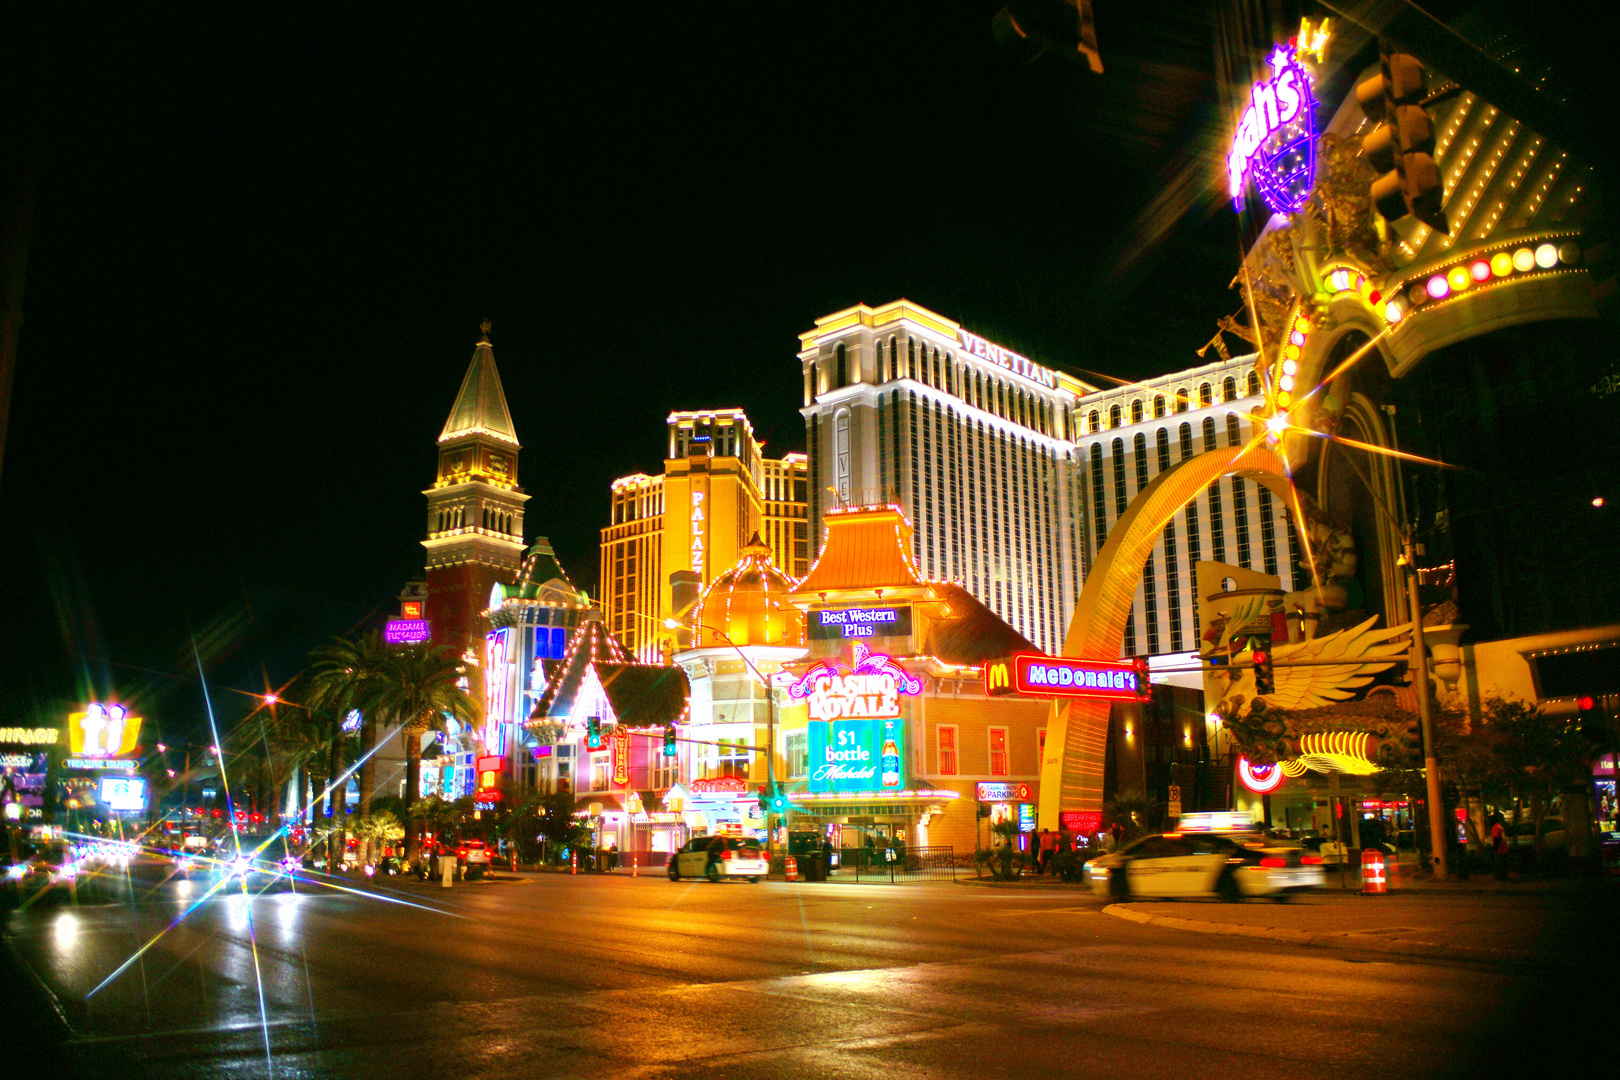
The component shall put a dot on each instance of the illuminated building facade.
(475, 509)
(622, 785)
(974, 441)
(532, 624)
(887, 731)
(746, 617)
(716, 492)
(1127, 436)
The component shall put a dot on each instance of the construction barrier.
(1373, 870)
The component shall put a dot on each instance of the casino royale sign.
(860, 623)
(1034, 675)
(867, 689)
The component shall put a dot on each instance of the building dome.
(749, 604)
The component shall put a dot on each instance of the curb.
(1351, 942)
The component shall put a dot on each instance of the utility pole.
(1420, 666)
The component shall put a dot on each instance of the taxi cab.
(739, 857)
(1209, 856)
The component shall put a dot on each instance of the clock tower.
(475, 510)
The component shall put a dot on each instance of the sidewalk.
(1526, 922)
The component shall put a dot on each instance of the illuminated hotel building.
(974, 441)
(1129, 435)
(716, 492)
(533, 622)
(475, 508)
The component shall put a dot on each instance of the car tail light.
(461, 853)
(1311, 860)
(726, 854)
(1275, 862)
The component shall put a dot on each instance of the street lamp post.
(770, 707)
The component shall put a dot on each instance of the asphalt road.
(614, 977)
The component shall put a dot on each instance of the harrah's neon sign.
(868, 689)
(1276, 138)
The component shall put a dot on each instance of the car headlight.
(70, 869)
(240, 865)
(16, 870)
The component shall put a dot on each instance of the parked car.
(738, 858)
(1230, 866)
(473, 858)
(1553, 836)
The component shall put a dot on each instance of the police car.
(738, 858)
(1216, 855)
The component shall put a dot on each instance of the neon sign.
(24, 736)
(697, 532)
(102, 731)
(1037, 675)
(1276, 139)
(714, 785)
(619, 743)
(857, 755)
(1259, 779)
(489, 777)
(497, 688)
(860, 622)
(407, 631)
(974, 345)
(1084, 822)
(867, 689)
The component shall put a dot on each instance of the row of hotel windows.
(638, 503)
(992, 503)
(1206, 398)
(1213, 498)
(944, 371)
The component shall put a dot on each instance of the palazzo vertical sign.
(699, 520)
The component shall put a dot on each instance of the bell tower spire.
(475, 506)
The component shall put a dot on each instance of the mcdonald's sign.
(1036, 675)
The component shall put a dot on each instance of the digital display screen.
(123, 792)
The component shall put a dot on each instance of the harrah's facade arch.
(1077, 731)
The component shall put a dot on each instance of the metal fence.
(900, 866)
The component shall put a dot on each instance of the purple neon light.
(1276, 139)
(407, 631)
(866, 663)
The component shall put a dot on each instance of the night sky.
(264, 241)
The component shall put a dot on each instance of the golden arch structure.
(1077, 731)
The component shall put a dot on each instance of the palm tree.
(343, 677)
(302, 738)
(421, 686)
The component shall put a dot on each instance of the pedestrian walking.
(1499, 847)
(1048, 849)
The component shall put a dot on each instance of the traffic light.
(1595, 724)
(670, 749)
(593, 733)
(1028, 28)
(1260, 654)
(779, 801)
(764, 800)
(1401, 146)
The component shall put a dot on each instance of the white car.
(1230, 866)
(738, 858)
